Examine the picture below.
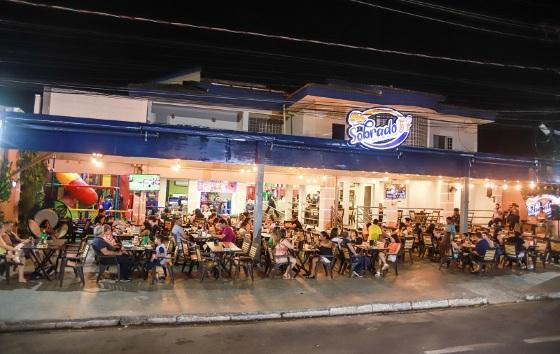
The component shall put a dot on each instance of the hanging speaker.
(489, 192)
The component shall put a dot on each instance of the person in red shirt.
(226, 232)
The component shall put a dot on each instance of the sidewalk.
(138, 301)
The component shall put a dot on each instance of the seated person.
(295, 224)
(178, 232)
(359, 262)
(104, 248)
(159, 258)
(226, 233)
(518, 241)
(281, 253)
(478, 254)
(270, 223)
(13, 253)
(47, 228)
(356, 237)
(244, 229)
(325, 255)
(98, 225)
(197, 215)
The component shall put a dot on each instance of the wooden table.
(140, 255)
(43, 264)
(374, 252)
(221, 252)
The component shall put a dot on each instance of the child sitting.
(159, 257)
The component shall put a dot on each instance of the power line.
(449, 22)
(475, 15)
(278, 37)
(115, 37)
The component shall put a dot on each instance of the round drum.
(47, 214)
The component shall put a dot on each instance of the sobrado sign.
(378, 128)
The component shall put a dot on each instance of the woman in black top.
(325, 256)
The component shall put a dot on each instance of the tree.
(32, 181)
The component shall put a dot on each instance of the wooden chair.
(346, 262)
(273, 265)
(170, 258)
(6, 265)
(75, 260)
(511, 255)
(428, 247)
(540, 251)
(246, 262)
(554, 251)
(448, 257)
(489, 259)
(205, 263)
(408, 246)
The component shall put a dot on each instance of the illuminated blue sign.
(378, 128)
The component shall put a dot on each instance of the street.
(518, 328)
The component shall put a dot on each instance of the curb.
(378, 308)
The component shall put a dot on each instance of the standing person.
(497, 216)
(513, 218)
(450, 228)
(374, 232)
(272, 204)
(456, 218)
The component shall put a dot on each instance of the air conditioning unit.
(182, 183)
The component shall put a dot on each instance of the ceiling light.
(505, 187)
(518, 187)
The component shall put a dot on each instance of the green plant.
(32, 181)
(5, 179)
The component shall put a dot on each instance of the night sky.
(42, 46)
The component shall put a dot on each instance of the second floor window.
(443, 142)
(260, 123)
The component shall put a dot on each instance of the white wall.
(422, 194)
(319, 126)
(162, 192)
(193, 196)
(464, 137)
(79, 104)
(239, 198)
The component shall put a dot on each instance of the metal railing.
(363, 215)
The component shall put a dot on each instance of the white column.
(301, 202)
(346, 200)
(162, 192)
(259, 187)
(193, 196)
(245, 121)
(288, 202)
(326, 203)
(465, 205)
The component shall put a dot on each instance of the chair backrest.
(555, 246)
(540, 230)
(510, 249)
(541, 246)
(427, 240)
(408, 243)
(346, 253)
(490, 254)
(245, 246)
(83, 255)
(253, 252)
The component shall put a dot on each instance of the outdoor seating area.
(220, 249)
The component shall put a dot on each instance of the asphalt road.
(520, 328)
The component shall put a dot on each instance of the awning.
(80, 135)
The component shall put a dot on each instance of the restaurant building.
(324, 150)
